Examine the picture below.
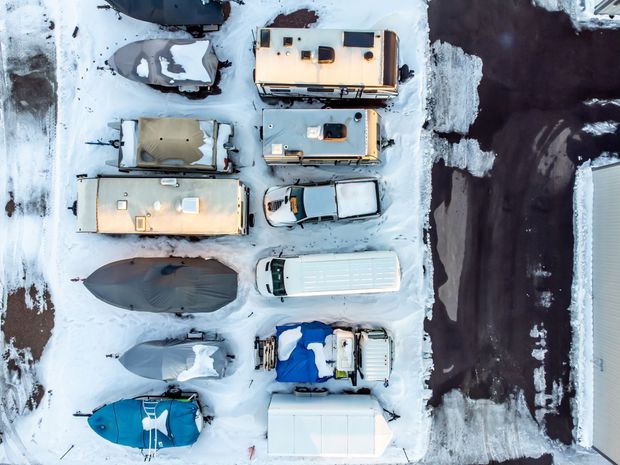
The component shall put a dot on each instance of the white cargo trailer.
(155, 205)
(337, 425)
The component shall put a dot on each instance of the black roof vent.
(287, 41)
(334, 131)
(306, 54)
(368, 56)
(326, 55)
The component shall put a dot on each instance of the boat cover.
(173, 285)
(299, 365)
(177, 359)
(168, 13)
(125, 422)
(167, 62)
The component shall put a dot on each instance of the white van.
(328, 274)
(336, 425)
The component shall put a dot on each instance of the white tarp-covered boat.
(337, 425)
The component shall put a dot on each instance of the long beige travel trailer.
(162, 206)
(326, 63)
(321, 136)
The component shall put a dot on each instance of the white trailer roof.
(346, 273)
(302, 129)
(332, 426)
(606, 310)
(279, 63)
(184, 206)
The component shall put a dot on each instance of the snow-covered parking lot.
(74, 369)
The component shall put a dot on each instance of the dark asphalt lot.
(490, 235)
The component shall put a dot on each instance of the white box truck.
(328, 274)
(162, 206)
(336, 425)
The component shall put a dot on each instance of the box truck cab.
(336, 425)
(321, 136)
(328, 274)
(326, 63)
(162, 206)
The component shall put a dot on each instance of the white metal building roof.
(606, 310)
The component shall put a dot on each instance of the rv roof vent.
(306, 54)
(358, 116)
(265, 38)
(287, 41)
(121, 204)
(190, 205)
(334, 131)
(368, 56)
(326, 55)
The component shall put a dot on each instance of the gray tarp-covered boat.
(173, 285)
(173, 12)
(185, 63)
(178, 359)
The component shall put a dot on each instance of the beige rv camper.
(321, 136)
(155, 205)
(326, 63)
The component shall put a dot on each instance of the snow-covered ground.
(74, 368)
(581, 13)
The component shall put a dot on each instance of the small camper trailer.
(156, 205)
(314, 352)
(321, 136)
(336, 425)
(326, 63)
(174, 144)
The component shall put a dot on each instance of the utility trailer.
(174, 145)
(162, 206)
(315, 352)
(326, 63)
(335, 425)
(321, 136)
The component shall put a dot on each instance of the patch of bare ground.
(27, 326)
(300, 18)
(10, 206)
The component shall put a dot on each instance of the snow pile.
(188, 57)
(454, 80)
(142, 69)
(480, 431)
(581, 13)
(601, 127)
(203, 363)
(466, 155)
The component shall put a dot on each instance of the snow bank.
(454, 80)
(601, 127)
(581, 13)
(480, 431)
(466, 155)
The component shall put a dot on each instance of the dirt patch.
(10, 206)
(33, 84)
(29, 320)
(36, 397)
(301, 19)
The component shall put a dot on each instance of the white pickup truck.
(346, 199)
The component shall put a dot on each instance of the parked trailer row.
(290, 63)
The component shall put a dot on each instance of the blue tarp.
(121, 423)
(300, 366)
